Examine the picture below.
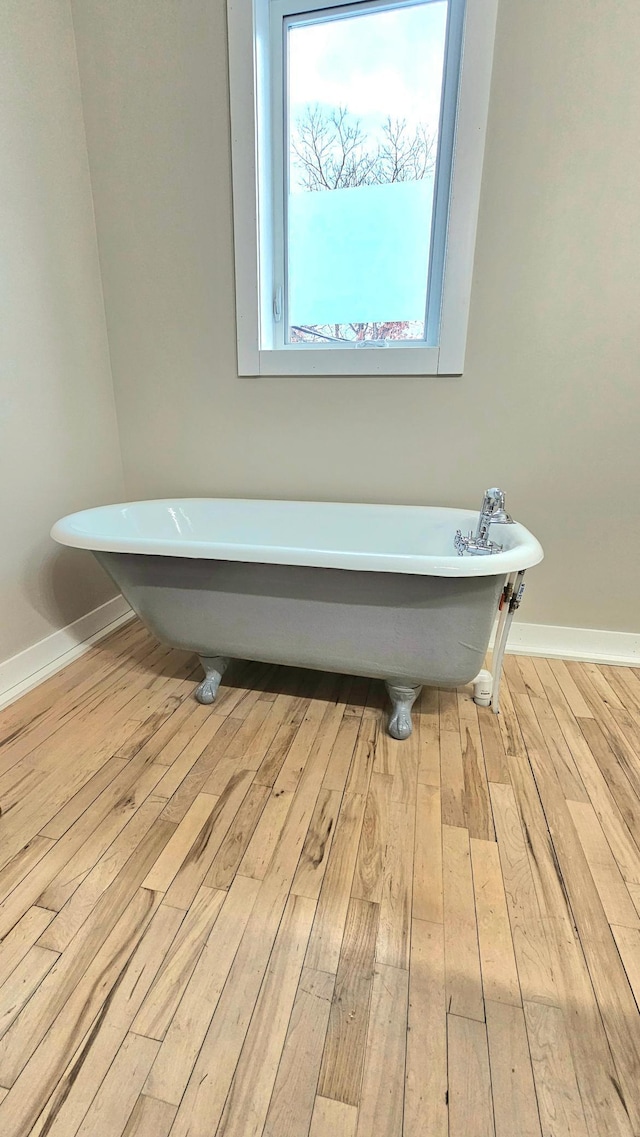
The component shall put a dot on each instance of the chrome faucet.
(492, 512)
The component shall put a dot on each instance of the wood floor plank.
(426, 1085)
(342, 754)
(368, 873)
(513, 672)
(227, 860)
(117, 1095)
(186, 747)
(381, 1100)
(343, 1057)
(317, 845)
(558, 1096)
(626, 685)
(333, 1119)
(21, 939)
(462, 959)
(20, 867)
(21, 984)
(512, 1088)
(173, 855)
(247, 1103)
(202, 1104)
(529, 930)
(74, 808)
(69, 688)
(331, 914)
(286, 709)
(559, 751)
(328, 733)
(387, 753)
(233, 757)
(213, 829)
(628, 942)
(572, 694)
(634, 893)
(405, 778)
(360, 770)
(274, 759)
(427, 864)
(229, 756)
(394, 930)
(177, 1055)
(292, 1101)
(612, 890)
(449, 717)
(194, 781)
(150, 1118)
(497, 959)
(470, 1106)
(168, 742)
(452, 774)
(429, 738)
(509, 727)
(261, 847)
(612, 797)
(51, 791)
(533, 685)
(157, 1010)
(493, 747)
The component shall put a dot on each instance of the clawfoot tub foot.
(402, 698)
(214, 667)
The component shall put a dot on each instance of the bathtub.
(368, 590)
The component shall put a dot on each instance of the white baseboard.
(36, 663)
(586, 645)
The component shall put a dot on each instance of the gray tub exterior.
(406, 629)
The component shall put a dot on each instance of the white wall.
(549, 406)
(58, 437)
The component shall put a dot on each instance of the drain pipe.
(512, 599)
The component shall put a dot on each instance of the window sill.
(344, 362)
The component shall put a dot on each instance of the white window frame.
(255, 91)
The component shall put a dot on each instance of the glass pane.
(364, 94)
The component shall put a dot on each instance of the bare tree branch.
(331, 151)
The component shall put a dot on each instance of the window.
(357, 145)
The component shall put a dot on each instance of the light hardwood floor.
(269, 918)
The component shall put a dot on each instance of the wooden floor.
(267, 917)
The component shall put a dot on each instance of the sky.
(378, 64)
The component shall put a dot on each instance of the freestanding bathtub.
(363, 589)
